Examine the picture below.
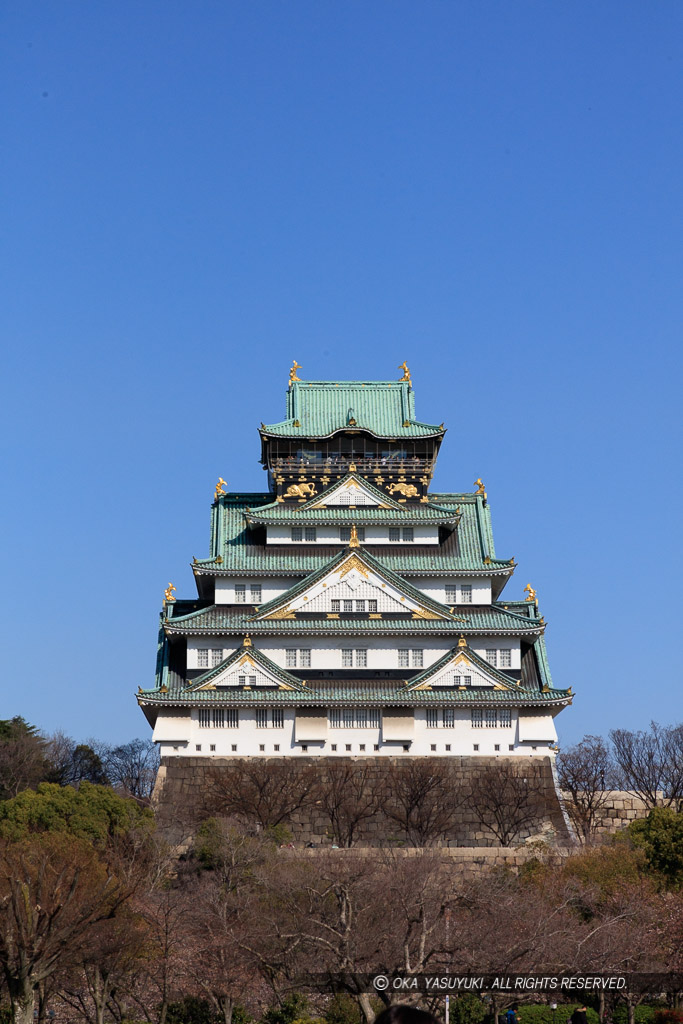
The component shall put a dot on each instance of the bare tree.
(22, 757)
(586, 772)
(132, 766)
(421, 798)
(71, 763)
(348, 796)
(504, 801)
(263, 793)
(651, 763)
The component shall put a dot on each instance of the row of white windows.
(255, 592)
(354, 718)
(347, 747)
(309, 534)
(300, 657)
(455, 594)
(354, 606)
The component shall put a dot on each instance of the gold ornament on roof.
(168, 594)
(531, 593)
(292, 373)
(301, 490)
(219, 488)
(481, 489)
(353, 539)
(406, 372)
(247, 641)
(462, 642)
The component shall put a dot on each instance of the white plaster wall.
(435, 587)
(327, 535)
(248, 739)
(271, 587)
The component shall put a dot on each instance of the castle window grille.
(240, 593)
(348, 718)
(335, 718)
(477, 718)
(297, 533)
(451, 594)
(347, 657)
(310, 533)
(373, 718)
(491, 718)
(361, 658)
(492, 656)
(505, 718)
(468, 680)
(394, 533)
(372, 606)
(218, 718)
(290, 657)
(261, 718)
(336, 606)
(232, 718)
(203, 657)
(256, 593)
(417, 657)
(506, 657)
(348, 606)
(277, 717)
(432, 718)
(360, 606)
(403, 658)
(448, 718)
(361, 718)
(204, 718)
(216, 656)
(408, 533)
(305, 657)
(466, 593)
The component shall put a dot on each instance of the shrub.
(541, 1013)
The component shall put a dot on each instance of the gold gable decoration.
(423, 613)
(351, 563)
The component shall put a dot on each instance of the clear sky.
(194, 194)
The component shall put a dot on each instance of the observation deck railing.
(341, 464)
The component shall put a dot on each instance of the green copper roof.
(243, 550)
(481, 620)
(356, 694)
(258, 657)
(484, 667)
(374, 565)
(319, 408)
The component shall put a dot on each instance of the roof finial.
(219, 488)
(292, 373)
(462, 642)
(168, 594)
(247, 641)
(531, 594)
(353, 539)
(406, 372)
(481, 488)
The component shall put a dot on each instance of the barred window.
(345, 533)
(360, 606)
(505, 657)
(204, 718)
(466, 593)
(310, 533)
(477, 718)
(457, 680)
(467, 680)
(403, 658)
(348, 717)
(432, 718)
(417, 657)
(408, 533)
(232, 719)
(361, 658)
(203, 657)
(277, 717)
(261, 718)
(246, 680)
(361, 718)
(240, 593)
(353, 718)
(372, 606)
(256, 593)
(290, 657)
(335, 718)
(373, 718)
(451, 593)
(505, 718)
(449, 718)
(351, 657)
(348, 606)
(394, 533)
(492, 655)
(297, 533)
(347, 657)
(216, 656)
(336, 606)
(305, 657)
(491, 718)
(218, 718)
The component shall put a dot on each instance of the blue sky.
(196, 194)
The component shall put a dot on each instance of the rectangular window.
(348, 606)
(347, 657)
(361, 746)
(403, 658)
(197, 746)
(305, 657)
(309, 533)
(505, 657)
(449, 718)
(361, 718)
(335, 718)
(417, 657)
(297, 533)
(290, 657)
(492, 655)
(432, 718)
(361, 658)
(233, 747)
(261, 718)
(345, 533)
(372, 607)
(204, 718)
(242, 680)
(408, 533)
(256, 593)
(336, 606)
(433, 746)
(457, 681)
(348, 718)
(218, 718)
(477, 718)
(203, 657)
(212, 747)
(360, 606)
(466, 593)
(277, 718)
(467, 680)
(394, 533)
(232, 719)
(276, 747)
(240, 593)
(491, 718)
(451, 594)
(373, 718)
(505, 718)
(216, 656)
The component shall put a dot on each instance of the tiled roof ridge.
(330, 696)
(257, 655)
(478, 661)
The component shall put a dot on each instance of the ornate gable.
(462, 668)
(247, 668)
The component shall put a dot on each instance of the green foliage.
(467, 1009)
(660, 837)
(606, 867)
(644, 1014)
(278, 834)
(93, 813)
(343, 1009)
(11, 728)
(540, 1013)
(191, 1010)
(293, 1008)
